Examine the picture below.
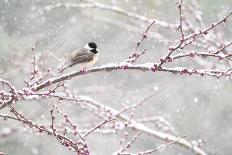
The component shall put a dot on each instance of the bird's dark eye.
(92, 45)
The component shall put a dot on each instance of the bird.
(85, 57)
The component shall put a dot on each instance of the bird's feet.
(83, 70)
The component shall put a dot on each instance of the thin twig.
(161, 146)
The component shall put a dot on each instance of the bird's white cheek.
(87, 47)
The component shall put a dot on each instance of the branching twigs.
(160, 123)
(5, 82)
(189, 39)
(111, 118)
(35, 89)
(194, 36)
(129, 66)
(7, 97)
(202, 54)
(133, 124)
(184, 41)
(138, 44)
(80, 148)
(207, 40)
(141, 127)
(39, 79)
(161, 146)
(97, 127)
(134, 106)
(222, 48)
(67, 120)
(149, 152)
(135, 54)
(128, 145)
(5, 116)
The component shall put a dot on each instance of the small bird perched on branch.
(85, 57)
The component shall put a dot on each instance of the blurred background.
(198, 107)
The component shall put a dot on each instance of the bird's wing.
(78, 52)
(81, 57)
(77, 57)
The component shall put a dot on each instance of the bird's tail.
(66, 65)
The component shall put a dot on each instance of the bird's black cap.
(92, 45)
